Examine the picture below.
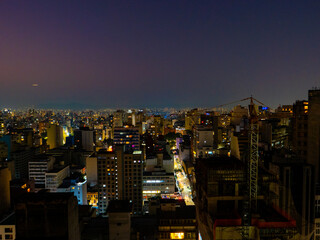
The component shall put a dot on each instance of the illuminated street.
(182, 182)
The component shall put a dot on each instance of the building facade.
(127, 136)
(158, 182)
(54, 178)
(38, 167)
(120, 178)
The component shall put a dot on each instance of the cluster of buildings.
(138, 174)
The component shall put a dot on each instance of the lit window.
(177, 235)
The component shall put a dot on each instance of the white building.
(83, 138)
(54, 178)
(157, 182)
(203, 141)
(77, 186)
(38, 167)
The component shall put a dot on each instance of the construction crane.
(250, 203)
(245, 99)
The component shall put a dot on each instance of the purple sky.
(157, 53)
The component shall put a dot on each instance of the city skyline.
(148, 119)
(157, 54)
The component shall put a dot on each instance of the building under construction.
(221, 196)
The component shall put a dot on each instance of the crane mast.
(253, 156)
(250, 202)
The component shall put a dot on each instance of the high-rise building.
(300, 129)
(54, 136)
(203, 141)
(120, 178)
(314, 131)
(21, 159)
(192, 118)
(91, 169)
(176, 220)
(38, 166)
(313, 156)
(295, 190)
(27, 137)
(306, 146)
(131, 117)
(140, 116)
(47, 216)
(84, 139)
(118, 118)
(208, 118)
(158, 126)
(127, 136)
(237, 114)
(158, 182)
(54, 178)
(239, 144)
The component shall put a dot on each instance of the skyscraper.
(120, 178)
(300, 129)
(84, 139)
(314, 131)
(55, 136)
(38, 167)
(128, 136)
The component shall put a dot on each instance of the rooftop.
(232, 164)
(186, 212)
(267, 216)
(44, 196)
(157, 173)
(9, 220)
(119, 206)
(57, 169)
(40, 158)
(221, 162)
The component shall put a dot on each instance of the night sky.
(157, 53)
